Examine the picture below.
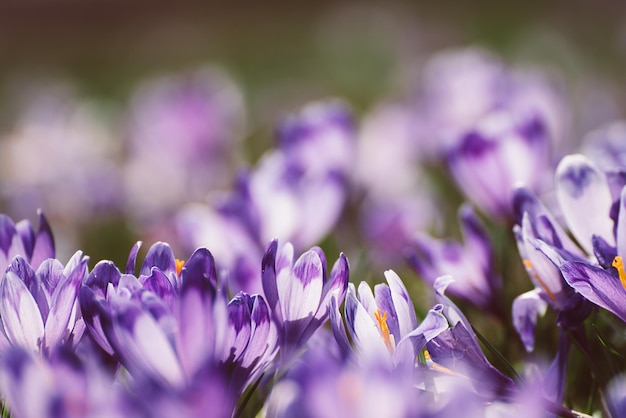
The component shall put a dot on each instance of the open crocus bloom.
(382, 324)
(172, 336)
(39, 309)
(594, 207)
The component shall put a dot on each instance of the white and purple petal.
(585, 199)
(198, 328)
(60, 321)
(407, 320)
(143, 346)
(20, 313)
(526, 308)
(596, 285)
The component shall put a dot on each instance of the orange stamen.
(384, 329)
(532, 271)
(618, 263)
(179, 266)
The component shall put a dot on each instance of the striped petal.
(20, 314)
(585, 199)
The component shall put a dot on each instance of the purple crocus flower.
(502, 149)
(457, 350)
(39, 309)
(169, 335)
(159, 275)
(21, 239)
(396, 200)
(535, 231)
(295, 193)
(187, 124)
(594, 211)
(321, 386)
(459, 87)
(383, 325)
(470, 262)
(58, 154)
(298, 293)
(60, 386)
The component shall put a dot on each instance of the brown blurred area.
(100, 37)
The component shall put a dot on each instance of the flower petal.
(44, 242)
(20, 314)
(268, 274)
(301, 296)
(198, 329)
(143, 345)
(585, 199)
(407, 321)
(131, 263)
(62, 306)
(621, 226)
(526, 308)
(596, 285)
(159, 255)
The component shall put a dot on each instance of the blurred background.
(78, 83)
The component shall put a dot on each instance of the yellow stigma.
(532, 271)
(179, 266)
(618, 263)
(384, 329)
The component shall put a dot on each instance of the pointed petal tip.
(442, 283)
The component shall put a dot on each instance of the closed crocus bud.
(299, 292)
(21, 239)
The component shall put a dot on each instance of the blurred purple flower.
(61, 386)
(504, 148)
(187, 125)
(606, 146)
(615, 394)
(396, 202)
(470, 262)
(295, 193)
(59, 155)
(322, 386)
(460, 87)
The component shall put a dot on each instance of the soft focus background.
(70, 72)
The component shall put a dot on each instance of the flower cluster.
(522, 314)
